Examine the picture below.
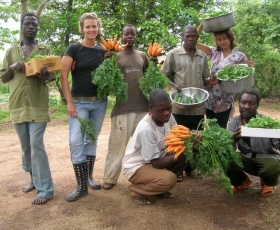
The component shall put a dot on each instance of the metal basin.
(190, 91)
(238, 86)
(218, 23)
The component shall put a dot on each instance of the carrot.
(174, 139)
(178, 148)
(111, 44)
(184, 136)
(159, 51)
(174, 143)
(178, 131)
(123, 46)
(117, 46)
(170, 149)
(103, 47)
(104, 42)
(179, 152)
(182, 127)
(154, 51)
(170, 136)
(115, 40)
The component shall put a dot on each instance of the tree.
(258, 36)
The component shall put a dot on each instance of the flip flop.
(244, 185)
(167, 195)
(141, 201)
(266, 190)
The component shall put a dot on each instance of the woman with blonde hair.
(81, 59)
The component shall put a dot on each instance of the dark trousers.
(192, 122)
(266, 168)
(222, 118)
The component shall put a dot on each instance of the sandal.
(266, 190)
(180, 178)
(141, 201)
(166, 195)
(194, 174)
(244, 185)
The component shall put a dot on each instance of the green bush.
(4, 88)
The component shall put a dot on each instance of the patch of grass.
(275, 106)
(4, 88)
(57, 108)
(261, 102)
(4, 115)
(4, 97)
(270, 215)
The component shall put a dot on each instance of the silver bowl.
(190, 91)
(221, 22)
(238, 86)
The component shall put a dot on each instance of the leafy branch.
(110, 80)
(87, 127)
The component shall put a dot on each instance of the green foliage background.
(257, 29)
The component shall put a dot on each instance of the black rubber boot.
(81, 173)
(90, 181)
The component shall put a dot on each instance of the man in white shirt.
(145, 164)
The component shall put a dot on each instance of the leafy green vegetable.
(153, 79)
(213, 13)
(110, 80)
(263, 122)
(215, 153)
(36, 57)
(234, 72)
(87, 127)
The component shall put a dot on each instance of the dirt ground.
(198, 204)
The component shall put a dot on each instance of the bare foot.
(29, 187)
(40, 200)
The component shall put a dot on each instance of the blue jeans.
(34, 156)
(80, 145)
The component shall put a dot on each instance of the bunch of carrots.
(154, 49)
(175, 140)
(112, 45)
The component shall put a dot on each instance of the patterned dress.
(219, 101)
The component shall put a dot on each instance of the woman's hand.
(71, 109)
(251, 63)
(213, 80)
(178, 88)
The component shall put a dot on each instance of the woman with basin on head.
(220, 104)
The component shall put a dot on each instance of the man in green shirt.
(28, 104)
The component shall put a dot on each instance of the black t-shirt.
(87, 60)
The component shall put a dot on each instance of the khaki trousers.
(148, 181)
(122, 128)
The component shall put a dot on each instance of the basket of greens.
(235, 78)
(218, 21)
(261, 126)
